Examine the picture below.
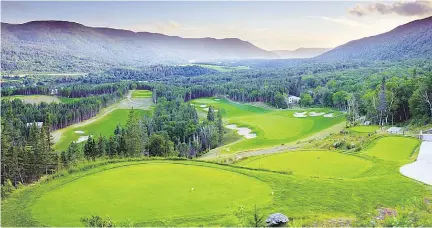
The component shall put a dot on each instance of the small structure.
(277, 220)
(395, 130)
(54, 91)
(38, 124)
(426, 135)
(293, 99)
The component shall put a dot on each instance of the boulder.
(277, 220)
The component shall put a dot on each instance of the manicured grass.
(273, 127)
(157, 193)
(149, 192)
(141, 94)
(393, 148)
(365, 129)
(311, 163)
(104, 126)
(35, 99)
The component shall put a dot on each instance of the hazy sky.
(269, 25)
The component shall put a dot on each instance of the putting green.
(365, 129)
(393, 148)
(272, 127)
(312, 163)
(149, 192)
(141, 94)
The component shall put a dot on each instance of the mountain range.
(43, 43)
(411, 40)
(69, 46)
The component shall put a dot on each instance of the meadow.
(167, 192)
(271, 126)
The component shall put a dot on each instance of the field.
(36, 99)
(101, 126)
(141, 94)
(272, 127)
(192, 193)
(365, 129)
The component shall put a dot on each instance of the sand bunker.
(329, 115)
(79, 132)
(243, 131)
(316, 113)
(206, 109)
(82, 138)
(203, 106)
(300, 114)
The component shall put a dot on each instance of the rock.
(385, 212)
(277, 220)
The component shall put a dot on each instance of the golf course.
(166, 192)
(269, 127)
(106, 121)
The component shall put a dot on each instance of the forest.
(384, 95)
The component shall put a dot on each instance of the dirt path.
(215, 153)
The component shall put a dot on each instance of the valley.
(223, 114)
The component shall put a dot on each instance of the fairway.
(36, 99)
(150, 192)
(272, 127)
(141, 94)
(365, 129)
(104, 126)
(393, 148)
(311, 163)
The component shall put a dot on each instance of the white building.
(293, 99)
(395, 130)
(38, 124)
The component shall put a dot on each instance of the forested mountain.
(300, 53)
(411, 40)
(69, 46)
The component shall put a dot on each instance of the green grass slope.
(273, 127)
(158, 193)
(312, 163)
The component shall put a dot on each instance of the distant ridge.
(300, 53)
(61, 44)
(411, 40)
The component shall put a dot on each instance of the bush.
(97, 221)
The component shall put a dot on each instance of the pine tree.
(210, 114)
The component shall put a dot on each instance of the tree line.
(174, 129)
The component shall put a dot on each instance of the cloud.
(413, 8)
